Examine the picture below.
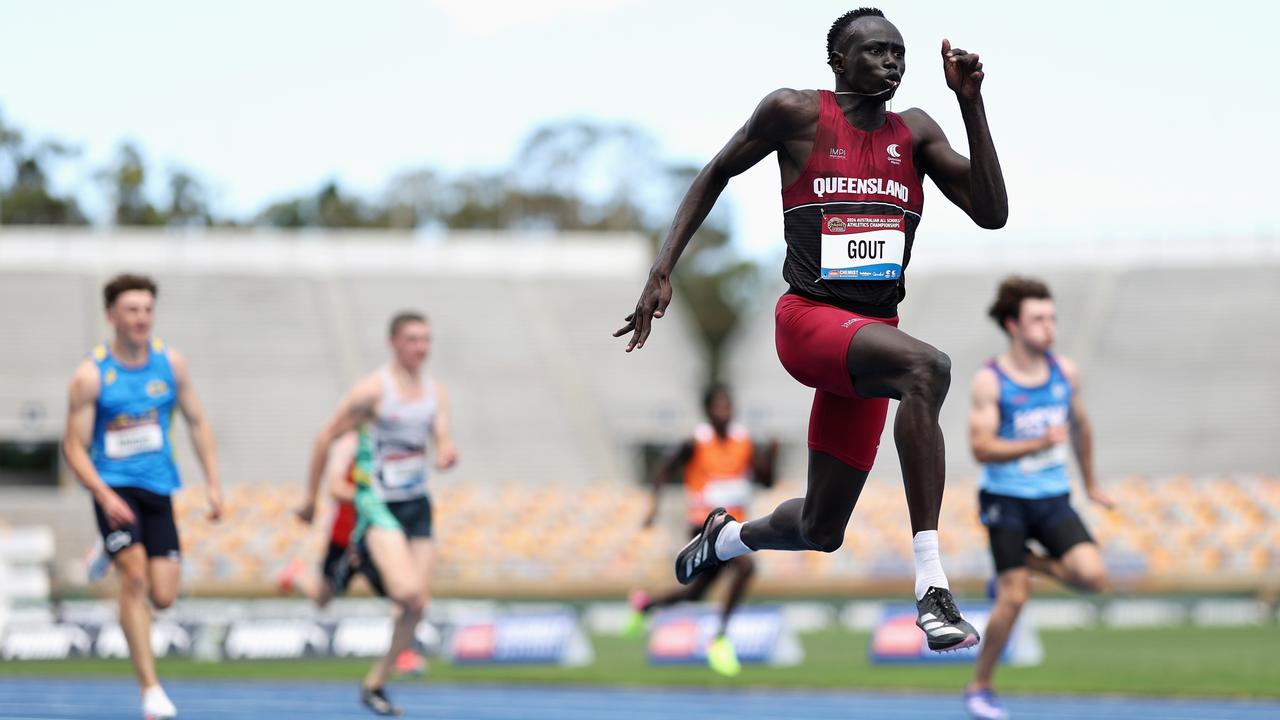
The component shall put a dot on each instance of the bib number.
(1043, 460)
(727, 492)
(135, 440)
(863, 247)
(404, 473)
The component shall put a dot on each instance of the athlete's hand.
(446, 456)
(1101, 497)
(650, 517)
(306, 512)
(963, 71)
(652, 304)
(1056, 435)
(118, 512)
(215, 504)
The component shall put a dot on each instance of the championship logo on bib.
(863, 247)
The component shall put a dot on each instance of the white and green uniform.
(391, 462)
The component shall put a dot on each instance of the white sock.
(928, 564)
(729, 542)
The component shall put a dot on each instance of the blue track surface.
(45, 699)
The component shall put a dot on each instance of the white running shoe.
(156, 705)
(984, 705)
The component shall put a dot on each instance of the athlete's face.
(132, 315)
(720, 410)
(871, 58)
(411, 345)
(1037, 325)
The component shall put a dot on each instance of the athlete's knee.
(822, 539)
(1091, 579)
(161, 599)
(413, 603)
(134, 584)
(1013, 595)
(930, 373)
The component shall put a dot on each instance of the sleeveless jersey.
(1027, 413)
(391, 457)
(850, 218)
(131, 445)
(718, 474)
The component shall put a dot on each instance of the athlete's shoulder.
(921, 124)
(785, 110)
(86, 381)
(1068, 367)
(986, 382)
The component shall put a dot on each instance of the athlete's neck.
(1026, 361)
(722, 431)
(126, 353)
(405, 377)
(862, 111)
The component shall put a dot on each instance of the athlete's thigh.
(423, 551)
(391, 555)
(165, 574)
(833, 491)
(131, 563)
(880, 358)
(1084, 559)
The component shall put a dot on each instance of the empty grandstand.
(551, 414)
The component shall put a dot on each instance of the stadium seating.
(560, 536)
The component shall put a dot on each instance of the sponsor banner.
(533, 639)
(897, 639)
(56, 641)
(274, 639)
(759, 635)
(168, 639)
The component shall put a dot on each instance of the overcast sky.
(1111, 118)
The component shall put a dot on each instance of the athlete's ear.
(836, 61)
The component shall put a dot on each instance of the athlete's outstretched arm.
(341, 455)
(666, 468)
(201, 433)
(81, 407)
(355, 408)
(446, 451)
(975, 186)
(775, 120)
(984, 424)
(1082, 437)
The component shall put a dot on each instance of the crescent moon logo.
(893, 151)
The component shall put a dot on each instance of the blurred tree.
(188, 201)
(25, 197)
(328, 208)
(125, 184)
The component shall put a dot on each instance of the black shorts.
(1012, 521)
(342, 562)
(336, 568)
(153, 525)
(413, 515)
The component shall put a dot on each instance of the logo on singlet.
(836, 225)
(895, 156)
(837, 154)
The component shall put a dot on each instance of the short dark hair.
(404, 317)
(1009, 296)
(843, 22)
(712, 391)
(122, 284)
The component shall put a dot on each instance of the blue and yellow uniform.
(131, 448)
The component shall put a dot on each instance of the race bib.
(1043, 460)
(727, 492)
(405, 472)
(130, 441)
(863, 247)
